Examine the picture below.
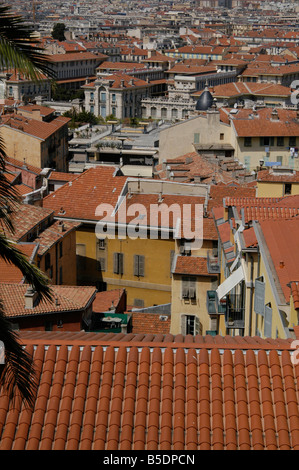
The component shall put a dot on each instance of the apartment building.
(250, 136)
(36, 142)
(117, 94)
(258, 246)
(55, 242)
(72, 68)
(138, 261)
(14, 85)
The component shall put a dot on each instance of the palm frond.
(19, 49)
(32, 273)
(17, 374)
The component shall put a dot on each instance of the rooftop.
(101, 391)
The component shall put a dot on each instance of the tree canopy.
(58, 31)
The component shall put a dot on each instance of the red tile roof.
(140, 392)
(39, 129)
(80, 198)
(281, 237)
(295, 293)
(9, 272)
(291, 176)
(264, 124)
(104, 300)
(65, 299)
(25, 218)
(191, 265)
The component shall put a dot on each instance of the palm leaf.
(33, 275)
(19, 49)
(17, 374)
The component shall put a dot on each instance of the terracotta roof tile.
(98, 393)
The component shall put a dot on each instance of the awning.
(232, 281)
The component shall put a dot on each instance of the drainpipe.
(251, 297)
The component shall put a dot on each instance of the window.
(247, 142)
(259, 297)
(268, 322)
(292, 141)
(188, 288)
(101, 264)
(287, 188)
(138, 265)
(280, 141)
(196, 138)
(118, 263)
(113, 97)
(266, 141)
(60, 250)
(47, 261)
(139, 303)
(279, 159)
(221, 136)
(172, 252)
(190, 325)
(101, 244)
(48, 326)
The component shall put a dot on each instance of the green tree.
(58, 31)
(18, 51)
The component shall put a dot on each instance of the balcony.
(235, 312)
(213, 263)
(214, 306)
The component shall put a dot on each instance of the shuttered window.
(268, 322)
(118, 263)
(188, 288)
(172, 252)
(138, 265)
(101, 264)
(190, 325)
(259, 297)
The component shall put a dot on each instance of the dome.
(205, 101)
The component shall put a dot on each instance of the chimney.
(274, 115)
(61, 226)
(31, 297)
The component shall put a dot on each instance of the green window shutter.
(268, 322)
(259, 297)
(196, 138)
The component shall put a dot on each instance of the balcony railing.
(235, 312)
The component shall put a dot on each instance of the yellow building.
(194, 280)
(35, 142)
(277, 182)
(119, 258)
(255, 280)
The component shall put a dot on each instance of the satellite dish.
(235, 105)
